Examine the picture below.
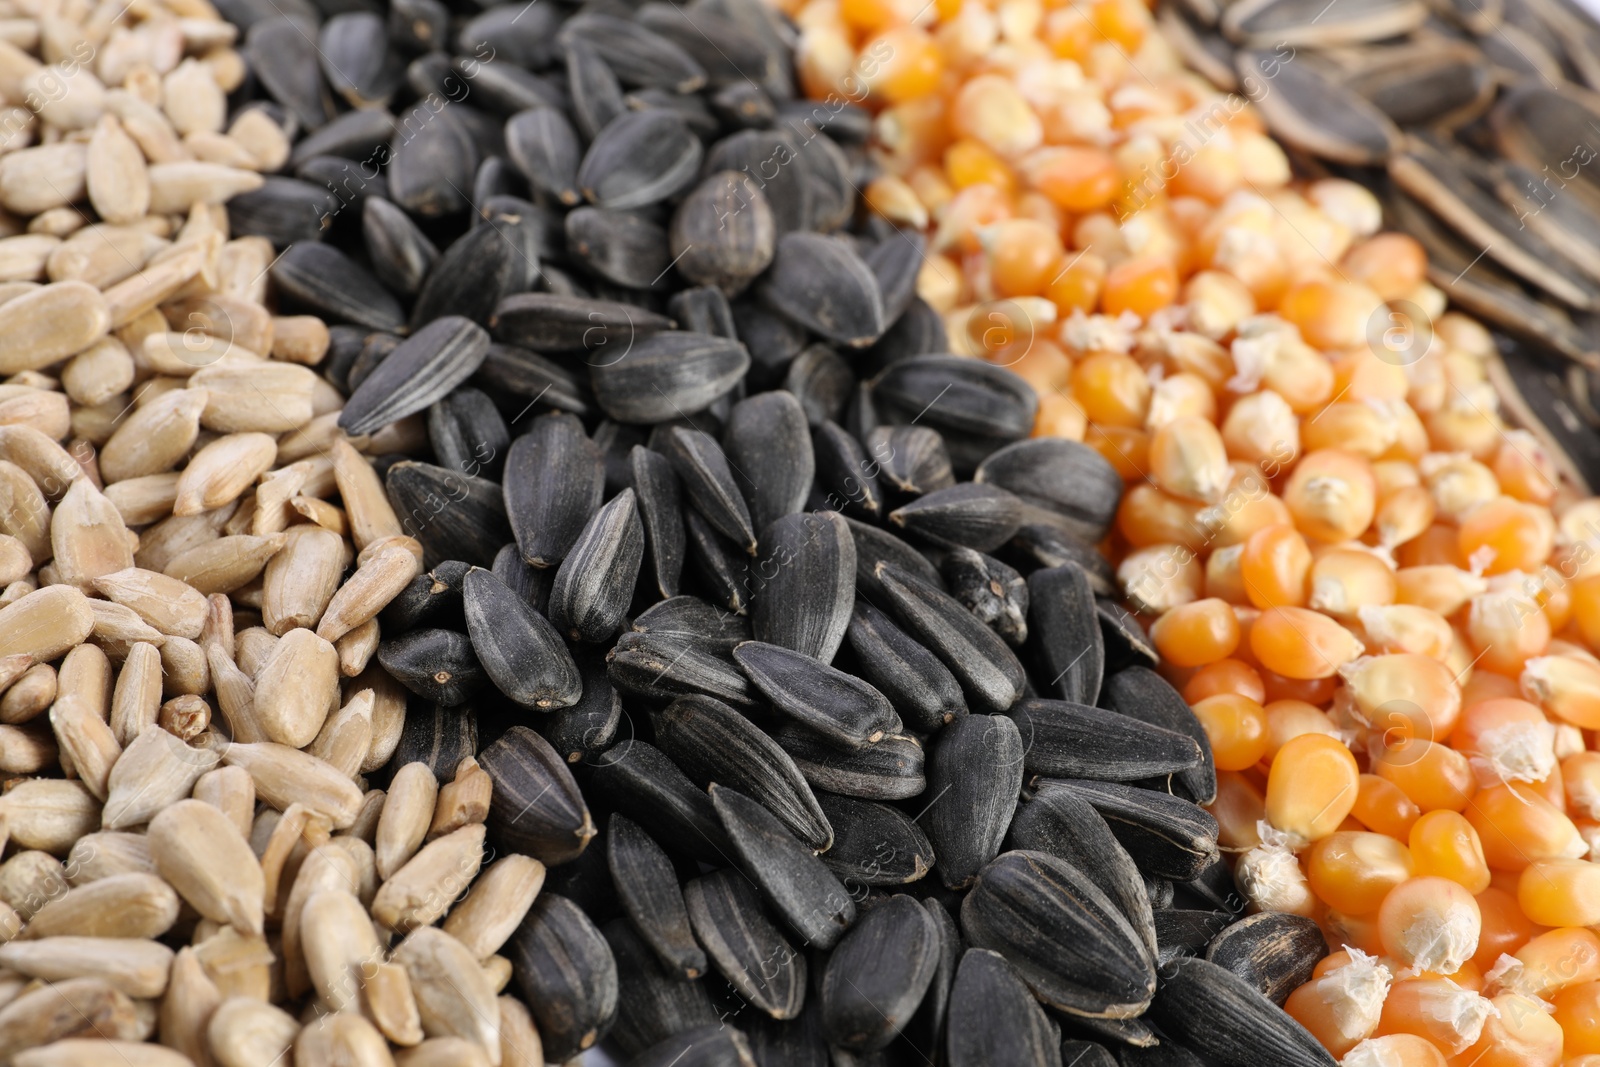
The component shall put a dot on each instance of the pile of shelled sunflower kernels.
(1380, 600)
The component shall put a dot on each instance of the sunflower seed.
(845, 479)
(437, 737)
(873, 844)
(595, 582)
(1068, 740)
(822, 284)
(1273, 952)
(804, 588)
(722, 233)
(431, 161)
(1219, 1016)
(649, 788)
(878, 974)
(521, 651)
(567, 975)
(976, 406)
(1168, 837)
(1063, 482)
(654, 1001)
(1140, 693)
(994, 1019)
(916, 682)
(356, 59)
(831, 703)
(554, 479)
(1068, 642)
(544, 147)
(438, 665)
(745, 947)
(692, 620)
(710, 483)
(667, 375)
(327, 281)
(891, 769)
(638, 55)
(975, 772)
(286, 60)
(547, 322)
(986, 667)
(639, 158)
(767, 436)
(536, 806)
(596, 93)
(625, 249)
(1316, 114)
(585, 729)
(471, 276)
(648, 887)
(661, 514)
(912, 458)
(714, 1045)
(995, 593)
(665, 667)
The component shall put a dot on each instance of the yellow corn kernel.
(1343, 1006)
(1311, 787)
(1301, 643)
(1406, 628)
(1187, 459)
(1344, 581)
(1411, 695)
(1553, 961)
(1352, 871)
(1288, 719)
(1560, 892)
(1332, 495)
(1445, 845)
(1261, 428)
(1430, 923)
(1566, 687)
(1436, 1009)
(1439, 588)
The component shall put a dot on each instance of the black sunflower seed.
(283, 56)
(916, 681)
(1144, 695)
(567, 975)
(537, 807)
(1064, 482)
(401, 254)
(661, 512)
(467, 432)
(1067, 740)
(744, 105)
(362, 134)
(1215, 1013)
(917, 332)
(453, 515)
(620, 247)
(585, 729)
(1273, 952)
(716, 1045)
(1186, 931)
(827, 173)
(878, 974)
(1086, 1054)
(653, 1002)
(822, 284)
(554, 480)
(543, 145)
(975, 773)
(875, 545)
(977, 406)
(690, 619)
(1038, 545)
(728, 52)
(639, 158)
(513, 33)
(895, 262)
(1068, 827)
(529, 584)
(596, 93)
(995, 594)
(711, 484)
(1068, 644)
(767, 437)
(873, 844)
(984, 664)
(666, 375)
(283, 210)
(470, 277)
(437, 737)
(765, 156)
(664, 668)
(750, 952)
(432, 161)
(793, 881)
(703, 309)
(712, 742)
(647, 787)
(912, 459)
(969, 515)
(545, 384)
(804, 586)
(547, 322)
(836, 705)
(377, 348)
(326, 280)
(647, 885)
(438, 665)
(772, 340)
(354, 48)
(846, 479)
(418, 25)
(994, 1019)
(521, 651)
(638, 55)
(723, 566)
(505, 89)
(595, 582)
(1167, 836)
(891, 769)
(723, 233)
(822, 381)
(433, 596)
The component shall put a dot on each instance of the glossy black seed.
(743, 105)
(796, 885)
(654, 1002)
(638, 55)
(470, 277)
(620, 247)
(911, 459)
(916, 681)
(1216, 1014)
(895, 262)
(453, 515)
(1273, 952)
(666, 375)
(723, 568)
(547, 322)
(827, 173)
(283, 210)
(432, 597)
(690, 619)
(639, 158)
(432, 160)
(772, 340)
(1067, 740)
(354, 48)
(554, 480)
(995, 593)
(994, 1019)
(401, 254)
(596, 93)
(767, 437)
(746, 948)
(1067, 643)
(846, 479)
(362, 135)
(647, 885)
(703, 309)
(663, 668)
(723, 233)
(438, 665)
(977, 406)
(283, 56)
(712, 742)
(543, 145)
(527, 583)
(467, 433)
(891, 769)
(878, 974)
(803, 587)
(1186, 931)
(646, 786)
(327, 281)
(714, 1045)
(1038, 545)
(1065, 482)
(873, 844)
(1167, 836)
(984, 664)
(520, 649)
(660, 511)
(1144, 695)
(919, 331)
(583, 730)
(537, 807)
(836, 705)
(712, 485)
(512, 33)
(567, 975)
(765, 156)
(540, 385)
(418, 25)
(595, 582)
(822, 381)
(975, 771)
(875, 545)
(438, 737)
(822, 284)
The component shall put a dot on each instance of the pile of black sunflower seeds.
(788, 652)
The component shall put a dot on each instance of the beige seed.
(181, 355)
(122, 905)
(45, 623)
(388, 715)
(49, 814)
(115, 174)
(388, 1000)
(421, 891)
(88, 536)
(50, 323)
(240, 965)
(357, 648)
(23, 258)
(27, 749)
(250, 1033)
(192, 99)
(52, 468)
(299, 339)
(101, 855)
(255, 395)
(156, 770)
(29, 880)
(98, 373)
(341, 1041)
(366, 866)
(463, 800)
(118, 628)
(24, 513)
(520, 1045)
(340, 946)
(299, 828)
(70, 97)
(263, 138)
(324, 514)
(273, 493)
(85, 738)
(44, 410)
(497, 971)
(365, 501)
(285, 775)
(252, 648)
(15, 559)
(185, 716)
(136, 967)
(211, 867)
(223, 565)
(37, 179)
(175, 186)
(90, 1052)
(243, 322)
(370, 589)
(163, 276)
(496, 905)
(85, 676)
(346, 736)
(407, 813)
(365, 828)
(443, 1052)
(235, 693)
(191, 998)
(454, 998)
(167, 604)
(231, 791)
(296, 687)
(183, 667)
(325, 867)
(222, 470)
(78, 1007)
(15, 65)
(301, 581)
(144, 500)
(154, 437)
(103, 255)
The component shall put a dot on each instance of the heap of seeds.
(1381, 601)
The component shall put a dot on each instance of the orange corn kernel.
(1148, 516)
(1332, 495)
(1223, 579)
(1407, 628)
(1261, 428)
(1346, 580)
(989, 109)
(1311, 690)
(1312, 786)
(1560, 892)
(1060, 416)
(1187, 459)
(1390, 264)
(1445, 845)
(1509, 739)
(1077, 179)
(1441, 588)
(1505, 928)
(911, 65)
(1518, 827)
(1142, 285)
(1076, 284)
(1404, 515)
(1430, 923)
(1023, 256)
(968, 213)
(1509, 534)
(1353, 425)
(1406, 695)
(1196, 634)
(1363, 375)
(1567, 687)
(1301, 375)
(1288, 719)
(1332, 316)
(1127, 449)
(1239, 806)
(1301, 643)
(1578, 1014)
(1555, 960)
(1524, 468)
(1227, 675)
(1244, 510)
(1042, 363)
(1342, 1008)
(968, 162)
(1505, 631)
(1352, 871)
(1236, 728)
(1523, 1034)
(1580, 778)
(1395, 1050)
(1436, 1009)
(1384, 809)
(1274, 567)
(1112, 389)
(1435, 776)
(1160, 578)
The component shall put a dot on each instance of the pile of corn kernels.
(1381, 600)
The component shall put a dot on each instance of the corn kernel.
(1311, 787)
(1445, 845)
